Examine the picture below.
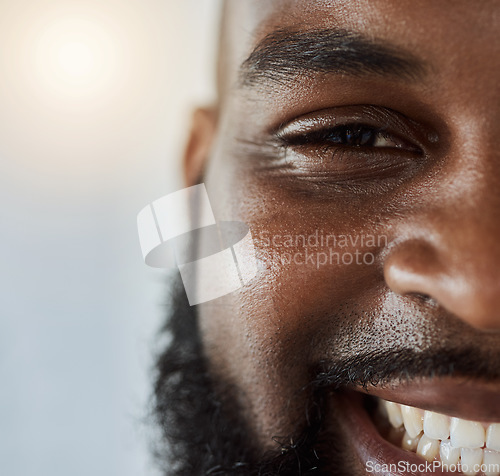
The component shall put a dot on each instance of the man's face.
(358, 140)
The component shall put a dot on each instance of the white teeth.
(471, 459)
(394, 414)
(448, 453)
(491, 462)
(466, 434)
(428, 448)
(493, 437)
(453, 442)
(408, 443)
(412, 419)
(436, 426)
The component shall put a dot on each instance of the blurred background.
(95, 100)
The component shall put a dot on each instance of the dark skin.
(430, 188)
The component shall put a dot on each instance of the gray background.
(79, 309)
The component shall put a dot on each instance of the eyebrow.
(283, 55)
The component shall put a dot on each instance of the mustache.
(378, 368)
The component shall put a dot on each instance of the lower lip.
(378, 456)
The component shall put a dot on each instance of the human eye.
(346, 135)
(351, 144)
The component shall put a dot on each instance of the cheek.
(264, 341)
(314, 256)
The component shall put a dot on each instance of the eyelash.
(359, 135)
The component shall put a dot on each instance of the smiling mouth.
(396, 439)
(458, 445)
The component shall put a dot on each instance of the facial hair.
(203, 432)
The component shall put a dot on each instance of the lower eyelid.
(331, 169)
(340, 161)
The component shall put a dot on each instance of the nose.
(453, 260)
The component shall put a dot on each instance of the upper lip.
(466, 399)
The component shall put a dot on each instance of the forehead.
(376, 16)
(444, 33)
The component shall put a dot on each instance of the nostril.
(423, 297)
(435, 279)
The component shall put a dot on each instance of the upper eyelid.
(365, 114)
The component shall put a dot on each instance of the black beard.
(203, 431)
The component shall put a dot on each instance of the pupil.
(359, 137)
